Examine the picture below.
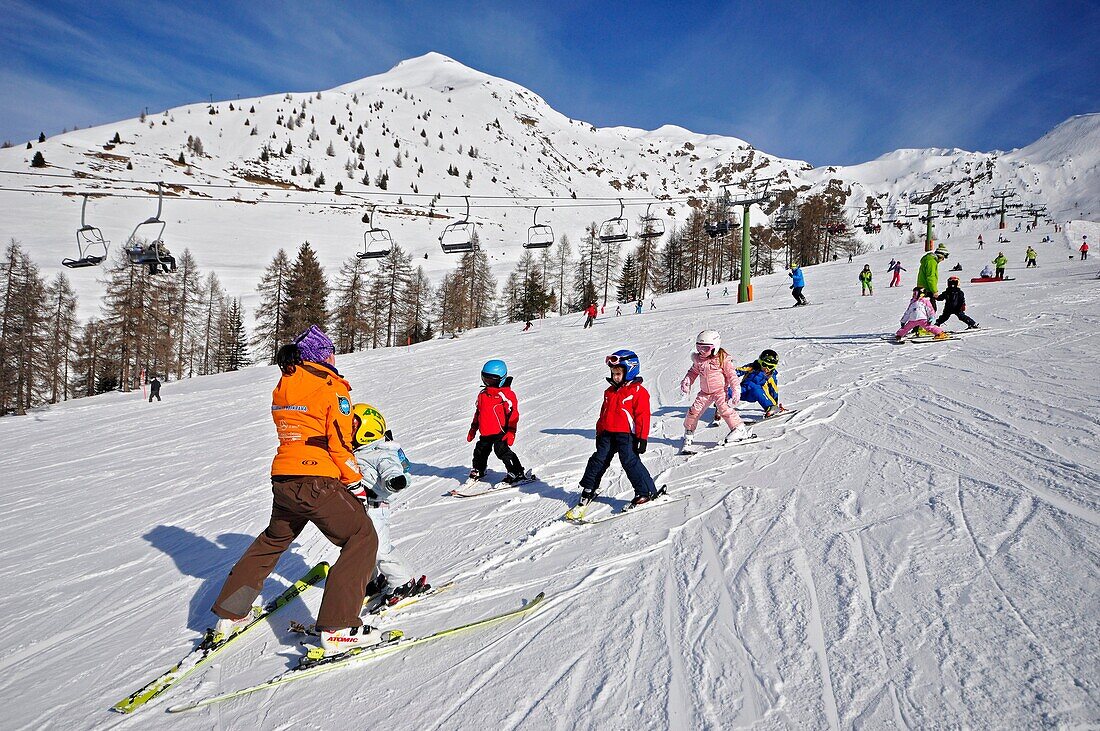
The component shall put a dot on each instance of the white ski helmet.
(711, 338)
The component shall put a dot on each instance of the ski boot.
(513, 477)
(643, 499)
(577, 511)
(226, 628)
(739, 434)
(942, 336)
(410, 588)
(972, 327)
(377, 585)
(476, 475)
(335, 642)
(689, 439)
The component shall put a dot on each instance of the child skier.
(385, 472)
(865, 280)
(760, 382)
(919, 314)
(897, 269)
(954, 303)
(1031, 258)
(623, 429)
(715, 371)
(496, 416)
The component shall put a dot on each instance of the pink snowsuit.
(715, 373)
(919, 314)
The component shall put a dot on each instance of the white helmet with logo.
(711, 338)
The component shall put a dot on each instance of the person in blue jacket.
(798, 281)
(760, 382)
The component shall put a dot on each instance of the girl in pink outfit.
(919, 314)
(715, 371)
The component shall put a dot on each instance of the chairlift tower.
(929, 198)
(744, 289)
(1003, 194)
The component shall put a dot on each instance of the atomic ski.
(208, 648)
(470, 487)
(356, 655)
(663, 499)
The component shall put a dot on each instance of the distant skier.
(385, 470)
(708, 293)
(954, 303)
(590, 314)
(725, 291)
(981, 243)
(919, 315)
(154, 389)
(711, 365)
(865, 281)
(897, 269)
(496, 416)
(1031, 258)
(849, 258)
(527, 326)
(311, 476)
(638, 308)
(652, 303)
(1000, 263)
(760, 382)
(623, 429)
(798, 281)
(1084, 248)
(928, 275)
(618, 311)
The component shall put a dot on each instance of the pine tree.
(39, 160)
(628, 281)
(349, 310)
(417, 298)
(271, 329)
(394, 273)
(237, 341)
(214, 305)
(307, 293)
(187, 306)
(59, 336)
(22, 330)
(563, 257)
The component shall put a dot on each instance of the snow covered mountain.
(917, 548)
(432, 125)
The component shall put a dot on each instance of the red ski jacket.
(496, 410)
(625, 410)
(591, 311)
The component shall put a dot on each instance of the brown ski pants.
(325, 502)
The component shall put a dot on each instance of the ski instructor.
(928, 276)
(314, 478)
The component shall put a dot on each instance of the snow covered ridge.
(432, 125)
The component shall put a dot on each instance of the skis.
(920, 339)
(470, 489)
(375, 608)
(334, 662)
(577, 514)
(697, 448)
(207, 649)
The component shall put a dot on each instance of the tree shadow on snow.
(210, 561)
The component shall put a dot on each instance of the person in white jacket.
(919, 314)
(385, 472)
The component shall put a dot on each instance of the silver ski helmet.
(709, 338)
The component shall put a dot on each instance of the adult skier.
(919, 315)
(798, 281)
(590, 314)
(385, 470)
(623, 429)
(1031, 258)
(928, 275)
(865, 281)
(711, 365)
(154, 389)
(954, 303)
(897, 269)
(760, 382)
(1000, 263)
(1084, 248)
(312, 477)
(638, 308)
(496, 416)
(981, 243)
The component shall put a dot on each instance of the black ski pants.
(961, 315)
(608, 444)
(500, 448)
(798, 298)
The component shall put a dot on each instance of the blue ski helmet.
(628, 359)
(494, 372)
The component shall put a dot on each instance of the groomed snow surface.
(917, 549)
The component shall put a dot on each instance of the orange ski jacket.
(311, 408)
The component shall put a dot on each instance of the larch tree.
(271, 326)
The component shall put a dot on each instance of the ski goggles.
(616, 360)
(704, 349)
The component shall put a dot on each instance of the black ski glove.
(397, 483)
(639, 445)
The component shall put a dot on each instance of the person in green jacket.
(928, 276)
(1031, 257)
(1000, 262)
(865, 280)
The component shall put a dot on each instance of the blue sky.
(832, 83)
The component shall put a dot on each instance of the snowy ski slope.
(918, 548)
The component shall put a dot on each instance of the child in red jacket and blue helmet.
(623, 429)
(496, 416)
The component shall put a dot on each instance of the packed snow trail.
(918, 547)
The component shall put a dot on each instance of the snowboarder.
(897, 269)
(1000, 263)
(760, 382)
(928, 276)
(865, 281)
(496, 416)
(987, 272)
(919, 314)
(1084, 248)
(590, 314)
(715, 371)
(311, 478)
(638, 308)
(798, 281)
(954, 303)
(154, 389)
(1031, 258)
(623, 429)
(385, 471)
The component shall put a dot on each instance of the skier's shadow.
(202, 558)
(586, 433)
(422, 469)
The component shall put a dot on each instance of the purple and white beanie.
(314, 345)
